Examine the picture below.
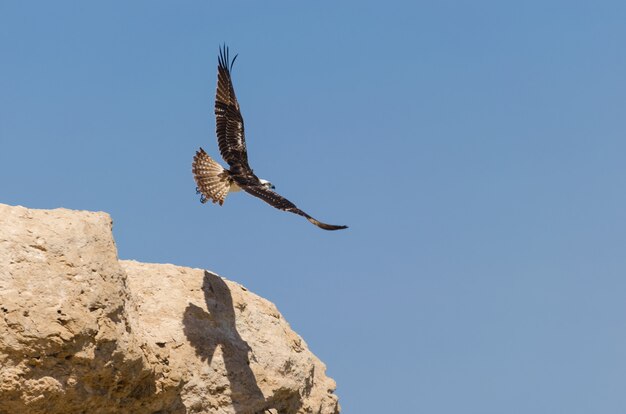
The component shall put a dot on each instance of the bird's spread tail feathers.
(212, 180)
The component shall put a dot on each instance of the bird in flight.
(215, 182)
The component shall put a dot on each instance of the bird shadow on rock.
(206, 331)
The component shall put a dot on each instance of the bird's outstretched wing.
(276, 200)
(231, 139)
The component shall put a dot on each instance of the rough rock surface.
(81, 332)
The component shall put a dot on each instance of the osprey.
(215, 182)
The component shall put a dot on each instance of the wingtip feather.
(325, 226)
(223, 59)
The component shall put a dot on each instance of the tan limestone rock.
(81, 331)
(232, 349)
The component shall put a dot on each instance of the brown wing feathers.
(229, 122)
(276, 200)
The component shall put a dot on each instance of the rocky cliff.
(82, 332)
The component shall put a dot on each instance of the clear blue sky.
(476, 149)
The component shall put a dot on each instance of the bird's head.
(267, 184)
